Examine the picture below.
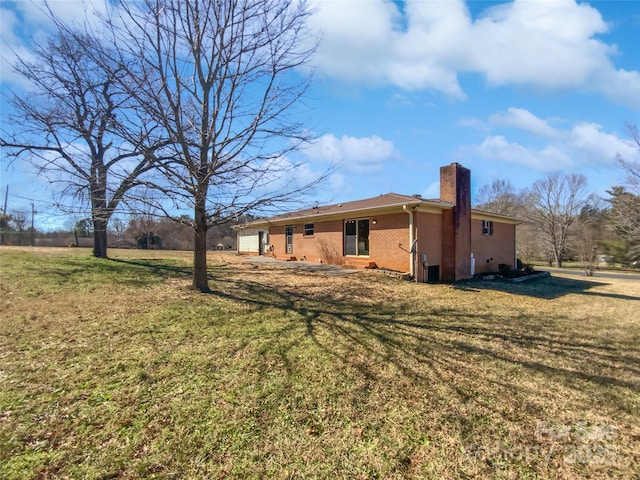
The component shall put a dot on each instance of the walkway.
(301, 265)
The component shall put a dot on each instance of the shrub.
(148, 240)
(504, 269)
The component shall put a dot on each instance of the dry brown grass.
(116, 369)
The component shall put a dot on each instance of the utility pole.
(33, 230)
(4, 216)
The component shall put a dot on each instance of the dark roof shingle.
(381, 201)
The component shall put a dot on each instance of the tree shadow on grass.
(453, 362)
(160, 269)
(437, 344)
(90, 270)
(156, 268)
(548, 288)
(434, 336)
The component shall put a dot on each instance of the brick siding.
(455, 187)
(447, 238)
(388, 241)
(492, 250)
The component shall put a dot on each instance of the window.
(308, 229)
(356, 237)
(487, 227)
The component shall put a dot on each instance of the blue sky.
(511, 90)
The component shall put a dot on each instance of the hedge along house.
(441, 239)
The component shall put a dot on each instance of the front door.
(289, 238)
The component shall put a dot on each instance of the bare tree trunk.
(200, 279)
(99, 239)
(557, 253)
(589, 257)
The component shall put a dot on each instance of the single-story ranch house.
(441, 239)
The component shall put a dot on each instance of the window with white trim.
(308, 229)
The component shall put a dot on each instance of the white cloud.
(621, 86)
(278, 175)
(35, 12)
(12, 46)
(337, 182)
(474, 123)
(523, 120)
(548, 159)
(548, 45)
(354, 154)
(432, 191)
(594, 146)
(365, 41)
(8, 21)
(544, 44)
(25, 22)
(343, 30)
(562, 149)
(538, 44)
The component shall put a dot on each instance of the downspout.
(515, 246)
(411, 241)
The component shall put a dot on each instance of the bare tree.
(625, 219)
(590, 233)
(222, 77)
(500, 196)
(78, 126)
(5, 226)
(19, 219)
(556, 202)
(625, 201)
(118, 227)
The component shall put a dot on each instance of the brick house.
(438, 239)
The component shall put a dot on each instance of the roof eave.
(482, 215)
(420, 205)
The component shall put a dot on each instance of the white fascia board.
(481, 215)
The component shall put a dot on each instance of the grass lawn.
(115, 369)
(579, 266)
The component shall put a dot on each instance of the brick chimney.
(455, 187)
